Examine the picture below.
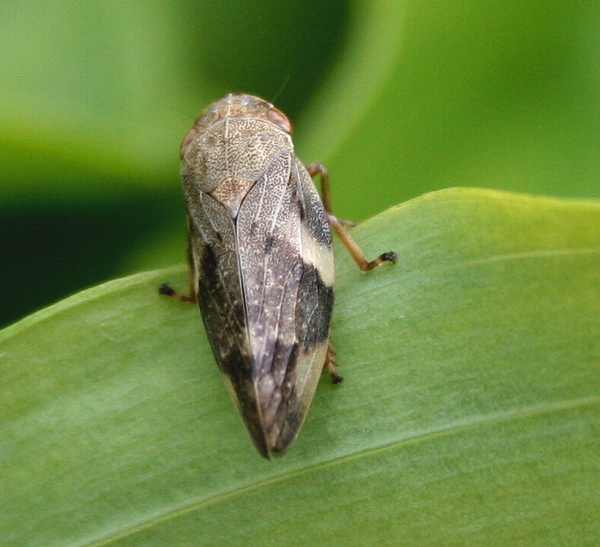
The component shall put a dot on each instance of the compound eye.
(279, 118)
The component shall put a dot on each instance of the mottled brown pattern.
(265, 276)
(231, 192)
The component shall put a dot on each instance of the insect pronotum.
(261, 262)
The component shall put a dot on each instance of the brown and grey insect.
(261, 262)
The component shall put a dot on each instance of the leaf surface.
(469, 414)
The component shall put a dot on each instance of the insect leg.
(167, 290)
(340, 225)
(332, 366)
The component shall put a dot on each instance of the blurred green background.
(396, 97)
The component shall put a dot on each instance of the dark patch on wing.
(313, 310)
(269, 240)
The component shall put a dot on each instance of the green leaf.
(430, 95)
(85, 99)
(97, 96)
(470, 413)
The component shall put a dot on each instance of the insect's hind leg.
(332, 366)
(317, 168)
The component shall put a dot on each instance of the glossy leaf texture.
(470, 411)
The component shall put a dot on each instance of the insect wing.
(213, 250)
(261, 262)
(288, 303)
(264, 283)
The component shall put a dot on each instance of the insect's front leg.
(167, 290)
(317, 168)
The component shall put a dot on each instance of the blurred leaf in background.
(95, 99)
(397, 98)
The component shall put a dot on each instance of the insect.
(261, 262)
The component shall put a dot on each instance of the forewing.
(284, 249)
(213, 250)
